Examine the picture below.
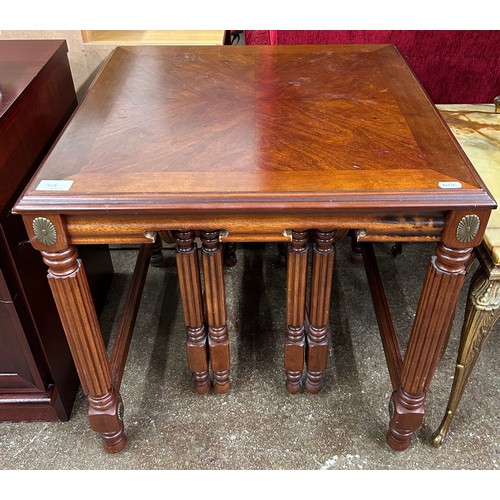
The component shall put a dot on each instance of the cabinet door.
(18, 371)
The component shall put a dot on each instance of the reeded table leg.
(73, 299)
(192, 305)
(482, 312)
(321, 287)
(431, 327)
(218, 338)
(295, 310)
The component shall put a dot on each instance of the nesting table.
(256, 143)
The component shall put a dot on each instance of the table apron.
(142, 229)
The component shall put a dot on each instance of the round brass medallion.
(44, 230)
(468, 228)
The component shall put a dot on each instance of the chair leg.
(482, 312)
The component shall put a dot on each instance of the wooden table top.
(344, 127)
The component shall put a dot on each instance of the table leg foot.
(317, 357)
(294, 358)
(440, 434)
(407, 414)
(114, 442)
(221, 382)
(399, 440)
(294, 381)
(201, 382)
(197, 355)
(106, 418)
(218, 342)
(313, 382)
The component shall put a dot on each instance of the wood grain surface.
(201, 127)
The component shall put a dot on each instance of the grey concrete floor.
(258, 425)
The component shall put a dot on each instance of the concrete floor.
(258, 425)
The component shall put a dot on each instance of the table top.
(477, 128)
(266, 128)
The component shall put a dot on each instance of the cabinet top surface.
(269, 126)
(20, 62)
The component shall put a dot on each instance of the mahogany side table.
(256, 143)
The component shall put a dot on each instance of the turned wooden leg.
(218, 338)
(157, 259)
(192, 305)
(73, 299)
(321, 287)
(295, 310)
(431, 327)
(356, 255)
(482, 312)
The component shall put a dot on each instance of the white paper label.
(54, 185)
(449, 184)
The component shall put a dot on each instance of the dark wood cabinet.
(38, 380)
